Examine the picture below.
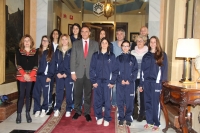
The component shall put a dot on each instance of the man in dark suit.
(82, 51)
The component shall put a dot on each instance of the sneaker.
(106, 123)
(56, 113)
(43, 113)
(121, 123)
(155, 128)
(37, 113)
(128, 123)
(99, 121)
(148, 126)
(68, 114)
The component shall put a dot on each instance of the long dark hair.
(158, 56)
(49, 48)
(51, 35)
(108, 48)
(100, 33)
(79, 33)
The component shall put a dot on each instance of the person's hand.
(48, 80)
(64, 75)
(74, 77)
(95, 85)
(127, 82)
(59, 75)
(123, 82)
(27, 77)
(110, 86)
(140, 89)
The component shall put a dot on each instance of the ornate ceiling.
(135, 7)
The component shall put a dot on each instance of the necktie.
(86, 49)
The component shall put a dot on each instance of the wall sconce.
(187, 49)
(108, 9)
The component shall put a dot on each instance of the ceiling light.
(108, 9)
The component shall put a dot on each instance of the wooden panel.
(2, 40)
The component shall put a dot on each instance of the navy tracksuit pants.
(152, 92)
(41, 86)
(102, 97)
(125, 94)
(68, 84)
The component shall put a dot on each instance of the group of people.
(112, 71)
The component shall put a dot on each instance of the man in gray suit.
(81, 55)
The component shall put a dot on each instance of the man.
(82, 51)
(144, 32)
(120, 34)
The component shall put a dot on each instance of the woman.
(76, 32)
(102, 76)
(154, 72)
(54, 37)
(102, 34)
(127, 73)
(139, 52)
(63, 75)
(44, 74)
(26, 63)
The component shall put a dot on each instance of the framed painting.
(69, 29)
(58, 21)
(133, 35)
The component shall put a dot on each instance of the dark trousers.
(142, 104)
(152, 102)
(80, 85)
(51, 91)
(24, 90)
(102, 98)
(60, 85)
(41, 86)
(125, 94)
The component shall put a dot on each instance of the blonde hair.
(69, 41)
(144, 38)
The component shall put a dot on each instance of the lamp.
(108, 9)
(187, 49)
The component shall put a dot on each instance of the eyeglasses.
(45, 40)
(140, 41)
(125, 46)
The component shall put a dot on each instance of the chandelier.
(108, 9)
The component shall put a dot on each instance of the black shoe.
(18, 119)
(141, 118)
(121, 123)
(128, 123)
(76, 115)
(28, 117)
(88, 118)
(50, 110)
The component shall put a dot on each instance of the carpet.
(63, 124)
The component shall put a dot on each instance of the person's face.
(125, 47)
(153, 44)
(75, 30)
(45, 42)
(120, 36)
(85, 33)
(55, 35)
(104, 44)
(102, 34)
(27, 42)
(140, 43)
(64, 41)
(144, 31)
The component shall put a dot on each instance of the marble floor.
(9, 125)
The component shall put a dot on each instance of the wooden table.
(182, 95)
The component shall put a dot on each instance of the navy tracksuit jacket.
(151, 80)
(45, 70)
(62, 62)
(127, 71)
(102, 72)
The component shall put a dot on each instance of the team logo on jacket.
(109, 60)
(131, 63)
